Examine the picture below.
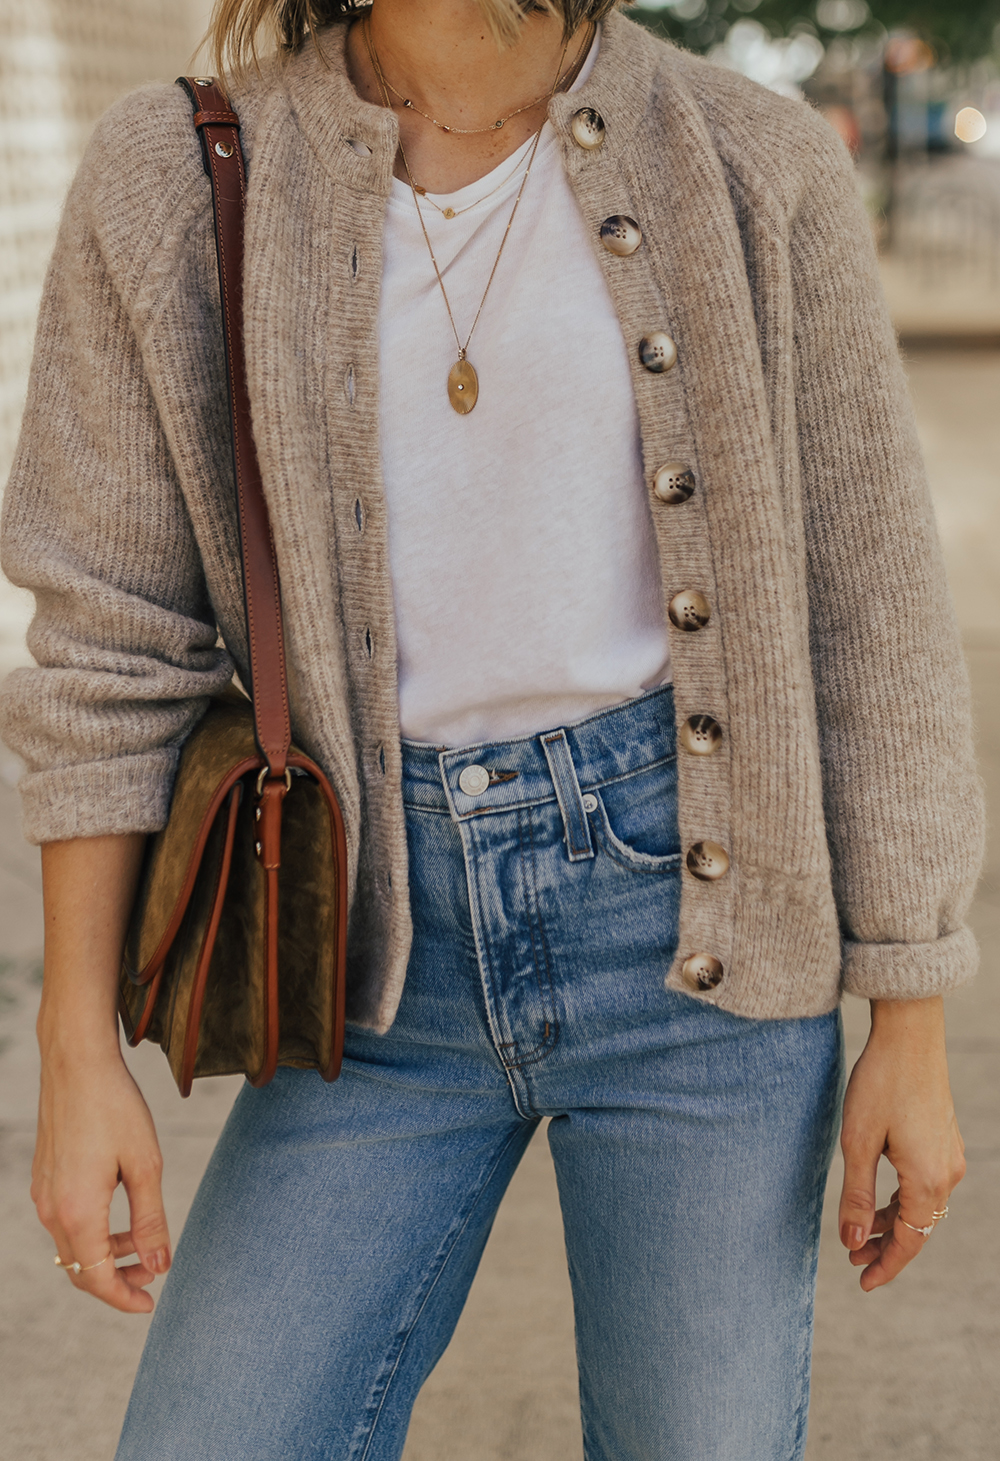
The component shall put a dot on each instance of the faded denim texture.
(338, 1228)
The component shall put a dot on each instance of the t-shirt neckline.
(493, 186)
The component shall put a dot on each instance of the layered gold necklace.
(463, 381)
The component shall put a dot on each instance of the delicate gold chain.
(457, 212)
(462, 349)
(472, 131)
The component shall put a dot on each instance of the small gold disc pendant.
(447, 212)
(463, 387)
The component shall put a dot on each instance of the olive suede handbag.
(237, 946)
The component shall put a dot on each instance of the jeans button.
(474, 780)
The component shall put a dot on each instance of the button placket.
(687, 575)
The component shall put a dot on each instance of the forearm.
(89, 884)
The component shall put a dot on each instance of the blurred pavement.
(907, 1372)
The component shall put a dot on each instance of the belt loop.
(576, 823)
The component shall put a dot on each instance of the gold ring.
(937, 1216)
(914, 1229)
(79, 1268)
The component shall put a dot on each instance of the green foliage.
(958, 30)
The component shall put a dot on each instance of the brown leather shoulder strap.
(218, 126)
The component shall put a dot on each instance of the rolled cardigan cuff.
(910, 971)
(121, 794)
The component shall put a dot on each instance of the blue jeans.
(338, 1228)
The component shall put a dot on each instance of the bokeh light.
(970, 125)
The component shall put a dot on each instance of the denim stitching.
(494, 992)
(808, 1313)
(542, 801)
(574, 817)
(444, 1256)
(623, 855)
(540, 1051)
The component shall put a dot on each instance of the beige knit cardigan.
(845, 790)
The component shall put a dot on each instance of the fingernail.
(158, 1261)
(855, 1237)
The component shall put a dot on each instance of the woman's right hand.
(94, 1131)
(94, 1128)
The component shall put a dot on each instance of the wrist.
(908, 1013)
(912, 1024)
(76, 1032)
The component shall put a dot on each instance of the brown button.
(702, 971)
(700, 735)
(707, 861)
(621, 235)
(674, 482)
(587, 127)
(657, 351)
(689, 610)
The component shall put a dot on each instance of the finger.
(137, 1275)
(84, 1223)
(148, 1219)
(60, 1243)
(857, 1199)
(885, 1219)
(897, 1249)
(122, 1245)
(115, 1287)
(861, 1257)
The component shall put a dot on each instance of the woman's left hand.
(898, 1104)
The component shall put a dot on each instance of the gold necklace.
(475, 131)
(463, 382)
(457, 212)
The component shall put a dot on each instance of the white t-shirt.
(524, 568)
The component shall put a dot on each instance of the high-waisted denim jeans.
(338, 1228)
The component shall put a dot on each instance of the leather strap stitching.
(212, 119)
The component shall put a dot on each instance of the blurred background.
(913, 88)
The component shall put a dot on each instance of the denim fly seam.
(527, 811)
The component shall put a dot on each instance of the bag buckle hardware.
(263, 777)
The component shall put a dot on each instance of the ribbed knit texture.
(845, 790)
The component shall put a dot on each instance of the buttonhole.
(355, 262)
(349, 386)
(381, 759)
(359, 515)
(361, 148)
(369, 643)
(388, 881)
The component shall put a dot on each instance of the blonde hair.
(237, 26)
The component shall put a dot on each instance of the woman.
(615, 616)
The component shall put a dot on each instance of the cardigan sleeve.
(903, 802)
(95, 524)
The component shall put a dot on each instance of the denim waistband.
(606, 747)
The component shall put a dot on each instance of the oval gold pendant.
(463, 387)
